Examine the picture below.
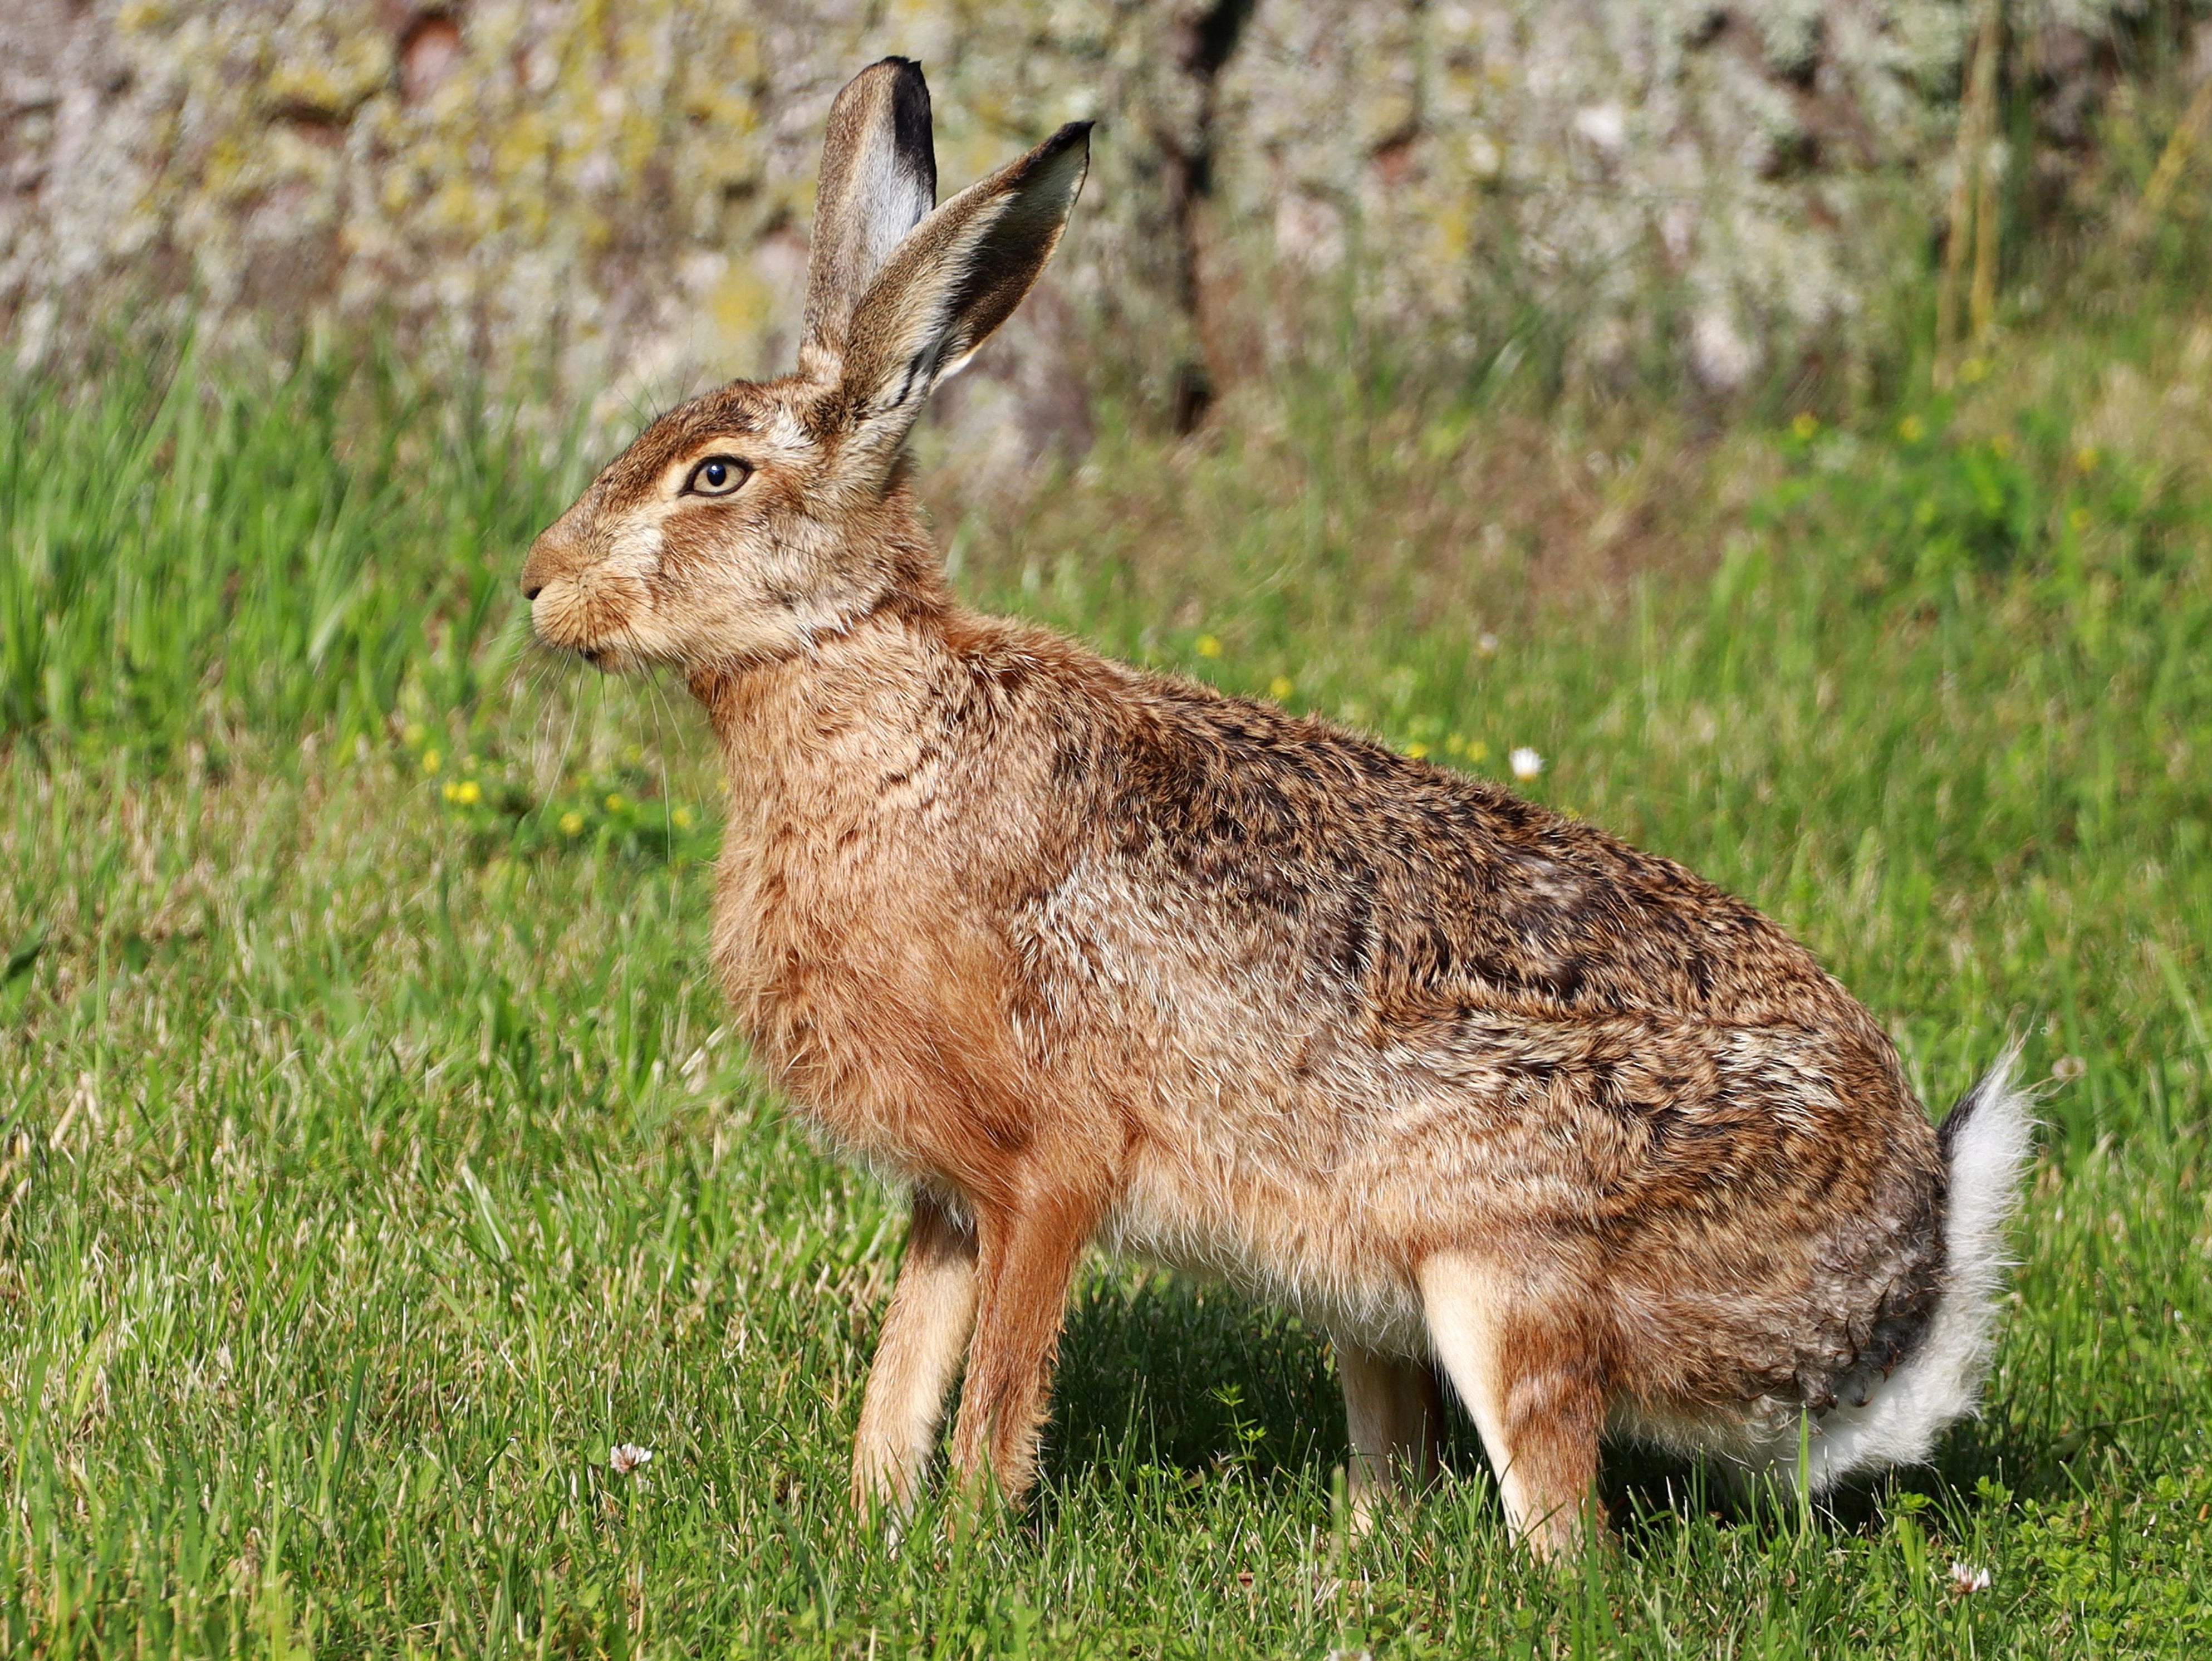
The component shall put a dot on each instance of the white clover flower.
(626, 1456)
(1966, 1578)
(1527, 764)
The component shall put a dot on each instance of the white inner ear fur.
(942, 319)
(888, 200)
(932, 336)
(926, 318)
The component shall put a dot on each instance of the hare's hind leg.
(932, 1312)
(1532, 1383)
(1394, 1410)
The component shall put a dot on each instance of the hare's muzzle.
(577, 604)
(548, 559)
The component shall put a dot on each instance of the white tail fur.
(1986, 1143)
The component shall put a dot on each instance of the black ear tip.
(1076, 134)
(912, 123)
(904, 73)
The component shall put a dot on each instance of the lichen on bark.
(610, 203)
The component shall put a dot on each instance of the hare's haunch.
(1086, 953)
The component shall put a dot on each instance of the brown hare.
(1078, 952)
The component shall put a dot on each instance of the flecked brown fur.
(1084, 952)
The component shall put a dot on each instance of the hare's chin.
(607, 656)
(610, 658)
(603, 649)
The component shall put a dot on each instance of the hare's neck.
(830, 729)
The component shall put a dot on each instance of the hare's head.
(744, 524)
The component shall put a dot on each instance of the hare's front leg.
(1394, 1413)
(1028, 1253)
(932, 1311)
(1529, 1374)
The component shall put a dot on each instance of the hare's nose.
(543, 565)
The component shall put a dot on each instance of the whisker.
(546, 671)
(568, 739)
(654, 702)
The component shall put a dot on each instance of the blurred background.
(595, 202)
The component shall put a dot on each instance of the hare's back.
(1415, 890)
(1405, 1000)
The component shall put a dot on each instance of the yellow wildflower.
(572, 823)
(683, 819)
(1417, 750)
(1209, 646)
(468, 792)
(1912, 430)
(1806, 424)
(432, 760)
(2086, 459)
(1281, 687)
(616, 801)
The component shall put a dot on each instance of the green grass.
(378, 1151)
(183, 557)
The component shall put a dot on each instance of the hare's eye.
(717, 476)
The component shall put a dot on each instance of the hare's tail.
(1986, 1146)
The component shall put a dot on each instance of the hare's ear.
(878, 179)
(958, 275)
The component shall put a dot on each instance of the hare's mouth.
(603, 655)
(583, 619)
(608, 658)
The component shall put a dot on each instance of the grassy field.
(377, 1154)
